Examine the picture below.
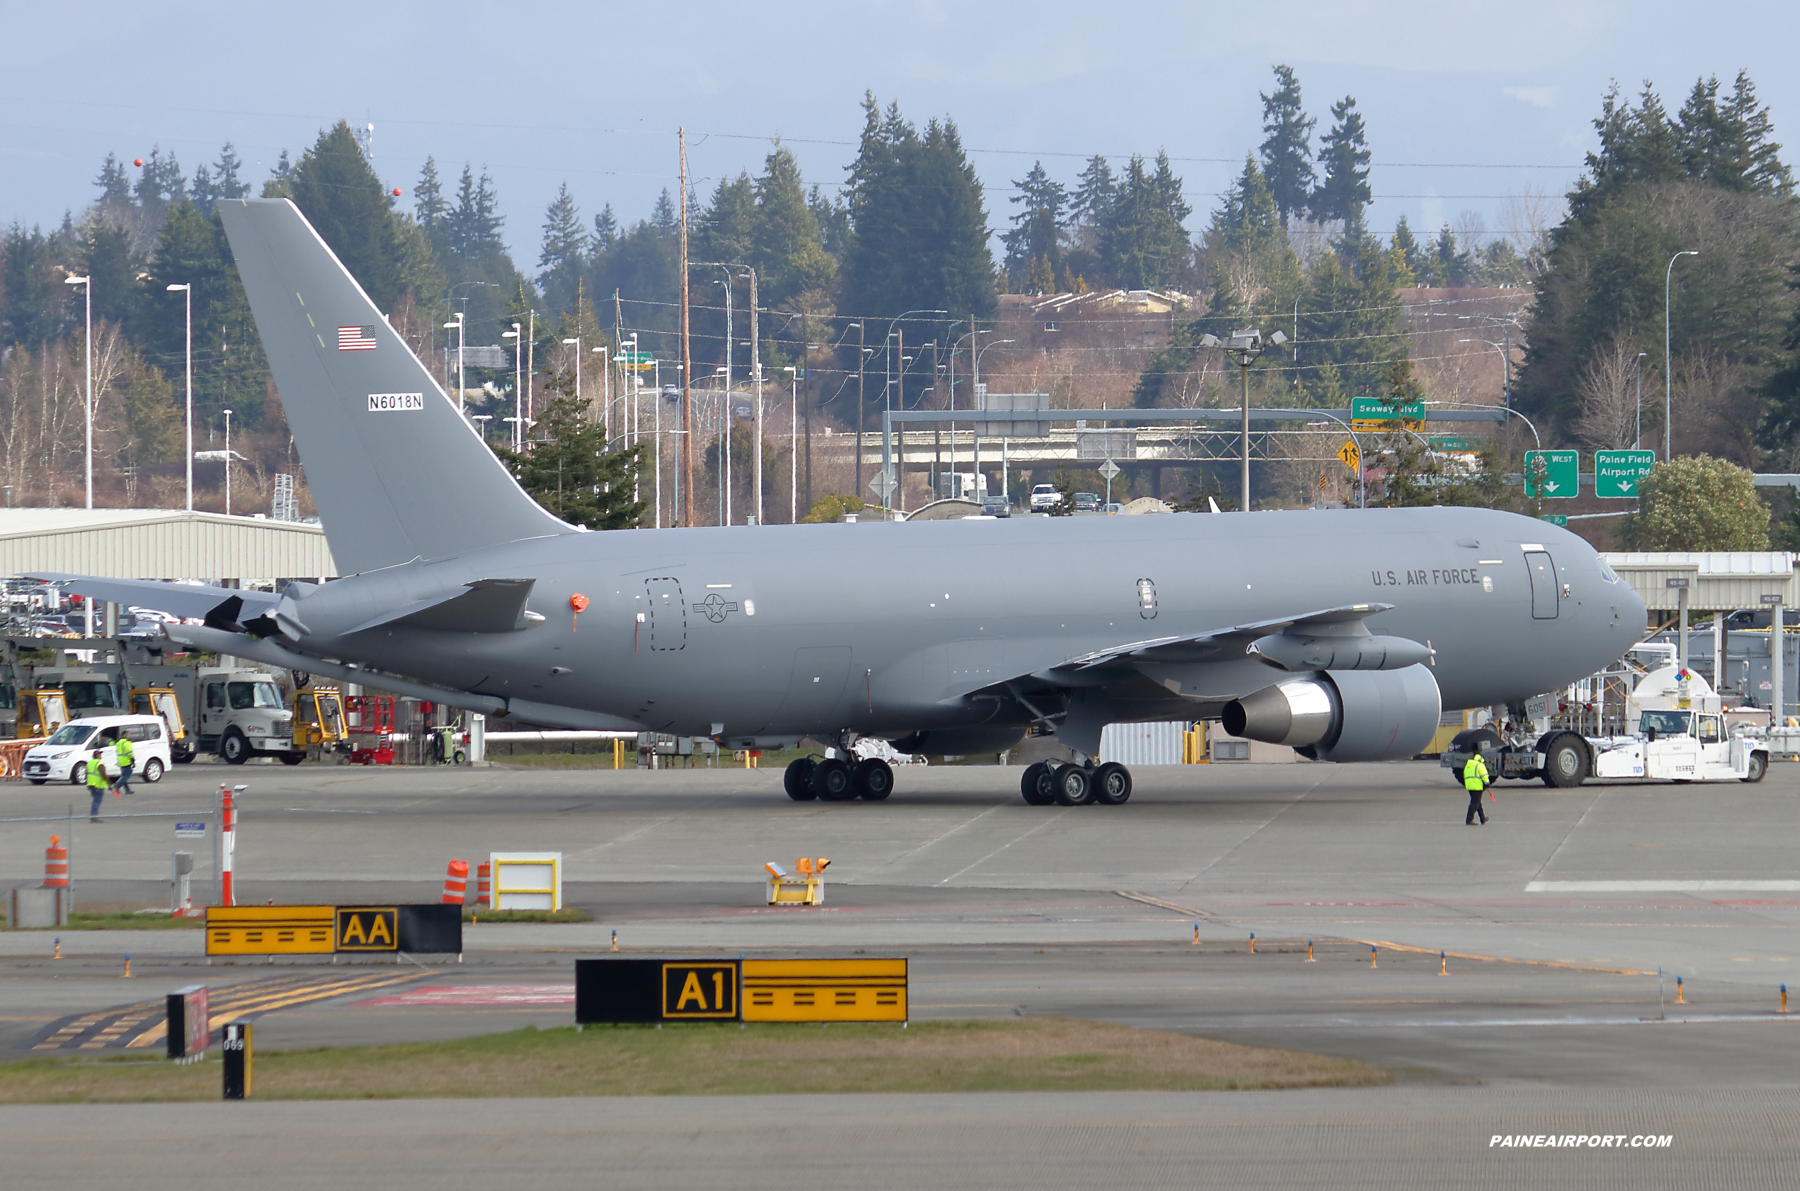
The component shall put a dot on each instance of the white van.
(64, 757)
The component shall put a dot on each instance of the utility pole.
(862, 355)
(687, 354)
(756, 379)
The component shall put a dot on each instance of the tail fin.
(396, 471)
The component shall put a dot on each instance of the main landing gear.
(831, 779)
(1049, 782)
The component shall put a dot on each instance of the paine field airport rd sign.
(1372, 413)
(1561, 474)
(1616, 473)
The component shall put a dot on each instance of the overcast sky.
(1465, 104)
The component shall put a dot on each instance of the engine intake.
(1382, 715)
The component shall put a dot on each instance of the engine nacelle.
(1381, 715)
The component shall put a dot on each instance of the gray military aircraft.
(1342, 633)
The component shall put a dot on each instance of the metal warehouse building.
(161, 544)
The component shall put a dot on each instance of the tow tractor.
(1683, 734)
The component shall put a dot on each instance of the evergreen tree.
(1287, 146)
(1345, 157)
(1728, 144)
(729, 224)
(1144, 244)
(606, 229)
(564, 252)
(1036, 230)
(338, 192)
(663, 215)
(160, 184)
(229, 366)
(32, 298)
(115, 187)
(202, 190)
(1095, 191)
(570, 472)
(474, 231)
(228, 182)
(785, 244)
(430, 211)
(276, 185)
(833, 218)
(1407, 257)
(114, 268)
(920, 236)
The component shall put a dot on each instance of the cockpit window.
(1606, 572)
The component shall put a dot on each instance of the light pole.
(461, 376)
(228, 463)
(518, 418)
(975, 440)
(1668, 375)
(793, 446)
(187, 291)
(887, 400)
(1243, 347)
(87, 289)
(953, 348)
(605, 380)
(756, 380)
(484, 419)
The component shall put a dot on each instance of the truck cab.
(243, 715)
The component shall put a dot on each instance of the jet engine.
(1357, 715)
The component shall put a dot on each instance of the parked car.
(1045, 496)
(65, 756)
(996, 506)
(1087, 502)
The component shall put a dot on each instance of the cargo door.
(1543, 584)
(667, 614)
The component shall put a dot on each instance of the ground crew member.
(127, 758)
(96, 780)
(1475, 781)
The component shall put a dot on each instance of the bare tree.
(1607, 392)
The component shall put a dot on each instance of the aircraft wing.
(1217, 644)
(189, 600)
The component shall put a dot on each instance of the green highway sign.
(1559, 472)
(1555, 519)
(1616, 473)
(1449, 442)
(1372, 413)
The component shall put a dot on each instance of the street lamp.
(1668, 375)
(87, 289)
(975, 438)
(188, 292)
(1638, 442)
(793, 446)
(484, 419)
(1243, 347)
(518, 421)
(228, 463)
(605, 379)
(461, 378)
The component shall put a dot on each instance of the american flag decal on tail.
(356, 339)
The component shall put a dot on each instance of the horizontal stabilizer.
(176, 599)
(484, 606)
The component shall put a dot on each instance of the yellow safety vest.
(122, 750)
(1475, 774)
(96, 772)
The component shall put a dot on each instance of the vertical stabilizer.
(396, 471)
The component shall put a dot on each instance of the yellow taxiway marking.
(1504, 959)
(236, 1002)
(1159, 903)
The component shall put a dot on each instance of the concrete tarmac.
(1565, 922)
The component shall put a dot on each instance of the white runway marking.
(1779, 886)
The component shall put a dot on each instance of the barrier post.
(1252, 942)
(1371, 957)
(615, 940)
(227, 841)
(234, 1040)
(484, 884)
(56, 864)
(1680, 998)
(1309, 953)
(1784, 998)
(1196, 934)
(456, 884)
(1443, 965)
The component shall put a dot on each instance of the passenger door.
(1542, 569)
(667, 614)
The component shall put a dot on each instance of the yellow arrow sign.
(1349, 454)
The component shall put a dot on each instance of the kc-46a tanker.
(1343, 633)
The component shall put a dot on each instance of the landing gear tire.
(1111, 784)
(797, 780)
(1036, 786)
(1074, 786)
(234, 749)
(1758, 767)
(153, 771)
(873, 780)
(1565, 762)
(831, 781)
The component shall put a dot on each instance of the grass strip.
(692, 1059)
(123, 921)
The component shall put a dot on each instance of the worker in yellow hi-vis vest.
(1475, 781)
